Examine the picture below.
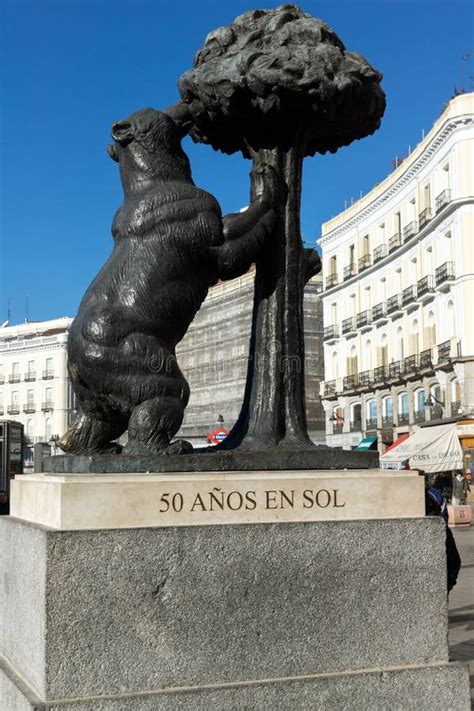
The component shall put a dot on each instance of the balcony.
(349, 271)
(365, 379)
(419, 416)
(411, 364)
(364, 319)
(393, 304)
(442, 200)
(29, 377)
(378, 312)
(394, 242)
(403, 418)
(371, 423)
(47, 406)
(355, 426)
(410, 230)
(436, 412)
(394, 370)
(444, 351)
(329, 388)
(337, 426)
(364, 262)
(444, 273)
(379, 253)
(387, 422)
(13, 409)
(48, 374)
(425, 287)
(350, 382)
(14, 378)
(380, 374)
(455, 407)
(408, 295)
(29, 407)
(331, 280)
(424, 217)
(331, 332)
(348, 325)
(426, 359)
(2, 380)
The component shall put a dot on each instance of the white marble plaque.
(95, 501)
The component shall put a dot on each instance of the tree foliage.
(272, 73)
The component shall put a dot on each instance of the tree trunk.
(274, 412)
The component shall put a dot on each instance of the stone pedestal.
(321, 614)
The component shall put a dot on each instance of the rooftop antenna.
(26, 309)
(9, 310)
(465, 58)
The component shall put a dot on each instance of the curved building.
(398, 294)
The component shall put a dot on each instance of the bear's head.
(148, 149)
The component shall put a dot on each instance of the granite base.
(320, 615)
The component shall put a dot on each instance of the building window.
(403, 407)
(371, 414)
(387, 408)
(356, 416)
(420, 401)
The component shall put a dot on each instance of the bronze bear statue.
(170, 245)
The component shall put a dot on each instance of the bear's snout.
(122, 132)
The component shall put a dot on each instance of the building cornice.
(443, 220)
(410, 172)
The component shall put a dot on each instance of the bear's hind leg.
(152, 426)
(88, 434)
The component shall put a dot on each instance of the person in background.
(435, 505)
(461, 489)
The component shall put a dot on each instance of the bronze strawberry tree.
(279, 85)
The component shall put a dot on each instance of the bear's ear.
(112, 151)
(122, 132)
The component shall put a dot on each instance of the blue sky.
(72, 67)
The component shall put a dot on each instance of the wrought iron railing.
(442, 199)
(393, 304)
(350, 271)
(411, 364)
(329, 387)
(348, 325)
(29, 407)
(425, 286)
(331, 280)
(364, 262)
(380, 252)
(424, 216)
(29, 377)
(15, 378)
(410, 230)
(394, 370)
(364, 318)
(455, 407)
(48, 374)
(394, 242)
(365, 378)
(380, 373)
(371, 423)
(444, 273)
(403, 418)
(378, 311)
(331, 332)
(408, 295)
(355, 425)
(350, 382)
(419, 415)
(444, 351)
(426, 359)
(47, 406)
(13, 409)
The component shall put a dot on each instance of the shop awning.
(431, 449)
(398, 464)
(367, 443)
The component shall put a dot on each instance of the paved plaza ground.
(461, 604)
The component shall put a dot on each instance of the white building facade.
(398, 300)
(34, 386)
